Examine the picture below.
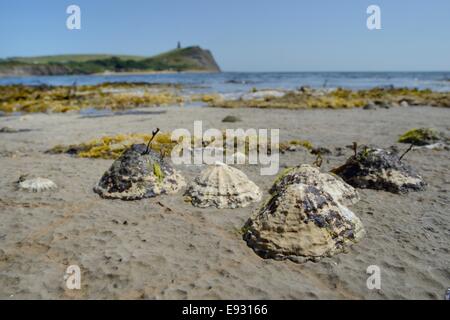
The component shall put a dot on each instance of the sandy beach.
(164, 248)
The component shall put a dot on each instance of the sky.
(243, 35)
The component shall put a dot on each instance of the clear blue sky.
(244, 35)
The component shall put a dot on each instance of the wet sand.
(164, 248)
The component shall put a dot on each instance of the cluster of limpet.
(222, 186)
(306, 216)
(139, 173)
(374, 168)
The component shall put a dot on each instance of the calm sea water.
(237, 82)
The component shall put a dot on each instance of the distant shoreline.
(111, 73)
(114, 73)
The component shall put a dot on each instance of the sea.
(231, 83)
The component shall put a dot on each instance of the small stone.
(12, 130)
(339, 151)
(370, 106)
(321, 151)
(404, 103)
(231, 119)
(8, 130)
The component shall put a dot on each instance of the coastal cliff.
(192, 58)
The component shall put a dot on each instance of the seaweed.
(406, 151)
(154, 133)
(29, 99)
(111, 147)
(419, 137)
(307, 98)
(158, 172)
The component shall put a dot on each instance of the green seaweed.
(111, 147)
(158, 172)
(29, 99)
(419, 137)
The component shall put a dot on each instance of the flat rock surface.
(165, 248)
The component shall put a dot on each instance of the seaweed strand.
(154, 133)
(407, 150)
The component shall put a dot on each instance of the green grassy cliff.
(185, 59)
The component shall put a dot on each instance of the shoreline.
(111, 73)
(154, 72)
